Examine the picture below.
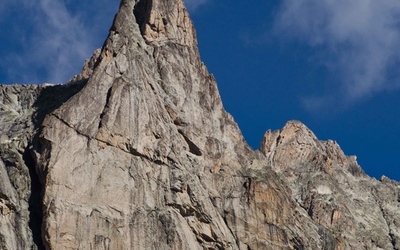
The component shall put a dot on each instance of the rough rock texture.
(22, 109)
(15, 185)
(137, 152)
(362, 212)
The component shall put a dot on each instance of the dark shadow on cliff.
(35, 202)
(52, 97)
(142, 13)
(49, 99)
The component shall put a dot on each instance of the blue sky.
(331, 64)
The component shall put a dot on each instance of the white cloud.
(359, 39)
(192, 5)
(55, 37)
(48, 40)
(60, 39)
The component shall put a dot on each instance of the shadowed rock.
(137, 152)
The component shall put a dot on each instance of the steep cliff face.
(145, 150)
(15, 185)
(137, 152)
(22, 109)
(333, 189)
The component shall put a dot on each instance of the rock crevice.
(35, 201)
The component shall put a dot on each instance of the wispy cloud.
(55, 37)
(358, 39)
(192, 5)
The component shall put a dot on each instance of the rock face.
(22, 109)
(361, 211)
(137, 152)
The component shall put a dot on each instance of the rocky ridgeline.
(137, 152)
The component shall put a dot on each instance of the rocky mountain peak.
(165, 21)
(294, 132)
(137, 152)
(295, 143)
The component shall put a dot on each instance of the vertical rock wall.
(145, 156)
(137, 152)
(334, 190)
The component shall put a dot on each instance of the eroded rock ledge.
(137, 152)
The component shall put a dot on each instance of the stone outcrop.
(22, 109)
(15, 185)
(137, 152)
(361, 211)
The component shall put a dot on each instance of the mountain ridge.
(139, 145)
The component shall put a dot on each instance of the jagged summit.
(165, 21)
(295, 143)
(137, 152)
